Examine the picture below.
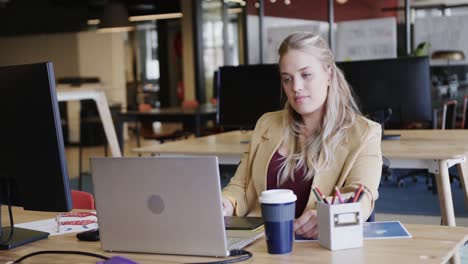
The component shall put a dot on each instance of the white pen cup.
(278, 210)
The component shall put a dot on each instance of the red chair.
(82, 200)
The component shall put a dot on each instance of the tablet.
(242, 223)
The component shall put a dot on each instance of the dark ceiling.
(20, 17)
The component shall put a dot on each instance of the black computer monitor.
(246, 92)
(402, 84)
(33, 170)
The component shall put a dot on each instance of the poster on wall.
(276, 35)
(275, 30)
(443, 33)
(366, 39)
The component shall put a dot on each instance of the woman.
(319, 140)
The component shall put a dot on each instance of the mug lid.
(277, 196)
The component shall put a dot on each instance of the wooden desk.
(430, 244)
(190, 117)
(435, 150)
(65, 93)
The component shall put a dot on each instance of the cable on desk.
(60, 252)
(244, 255)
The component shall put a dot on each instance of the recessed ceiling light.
(155, 17)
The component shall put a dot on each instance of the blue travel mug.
(278, 209)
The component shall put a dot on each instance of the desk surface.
(424, 144)
(430, 244)
(235, 142)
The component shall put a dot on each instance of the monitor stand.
(21, 236)
(391, 137)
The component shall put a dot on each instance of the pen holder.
(339, 225)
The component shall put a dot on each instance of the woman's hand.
(228, 208)
(306, 224)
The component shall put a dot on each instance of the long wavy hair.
(340, 113)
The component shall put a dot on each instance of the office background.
(165, 52)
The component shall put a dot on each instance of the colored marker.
(337, 192)
(360, 197)
(357, 193)
(317, 195)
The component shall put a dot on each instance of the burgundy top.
(300, 187)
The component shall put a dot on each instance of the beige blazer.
(357, 160)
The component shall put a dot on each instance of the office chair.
(82, 200)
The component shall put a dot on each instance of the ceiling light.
(155, 17)
(234, 1)
(341, 2)
(93, 22)
(287, 2)
(114, 29)
(234, 10)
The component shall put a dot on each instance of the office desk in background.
(430, 244)
(94, 92)
(435, 150)
(191, 118)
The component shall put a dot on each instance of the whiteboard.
(276, 35)
(443, 33)
(366, 39)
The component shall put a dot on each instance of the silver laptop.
(168, 205)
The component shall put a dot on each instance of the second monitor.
(402, 84)
(247, 92)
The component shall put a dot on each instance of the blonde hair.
(339, 114)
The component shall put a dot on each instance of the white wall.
(85, 54)
(61, 49)
(74, 54)
(102, 55)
